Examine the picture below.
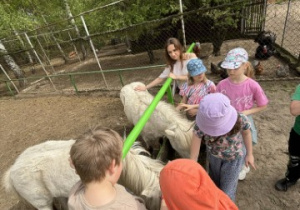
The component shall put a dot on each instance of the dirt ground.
(26, 121)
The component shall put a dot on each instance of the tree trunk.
(69, 14)
(19, 74)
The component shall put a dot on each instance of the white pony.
(42, 172)
(164, 121)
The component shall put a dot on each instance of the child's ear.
(71, 163)
(112, 167)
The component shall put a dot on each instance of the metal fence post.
(9, 89)
(73, 83)
(121, 78)
(170, 97)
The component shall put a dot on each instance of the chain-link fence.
(79, 55)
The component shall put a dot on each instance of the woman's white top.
(179, 69)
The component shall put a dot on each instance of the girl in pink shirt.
(245, 94)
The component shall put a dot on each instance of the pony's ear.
(170, 132)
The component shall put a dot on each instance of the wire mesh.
(218, 27)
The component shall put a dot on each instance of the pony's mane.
(163, 108)
(143, 176)
(147, 167)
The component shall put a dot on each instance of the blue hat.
(195, 67)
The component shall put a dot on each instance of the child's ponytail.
(249, 71)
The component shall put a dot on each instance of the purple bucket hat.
(216, 116)
(235, 58)
(195, 67)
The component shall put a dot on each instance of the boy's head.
(95, 152)
(235, 58)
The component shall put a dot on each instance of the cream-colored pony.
(42, 172)
(164, 121)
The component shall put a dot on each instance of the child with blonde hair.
(245, 94)
(195, 89)
(97, 159)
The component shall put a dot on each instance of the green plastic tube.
(135, 132)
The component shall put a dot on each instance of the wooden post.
(57, 44)
(9, 78)
(48, 61)
(93, 48)
(37, 56)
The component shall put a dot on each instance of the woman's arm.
(155, 82)
(248, 144)
(178, 77)
(195, 147)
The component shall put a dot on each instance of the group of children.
(223, 121)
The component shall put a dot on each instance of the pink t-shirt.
(243, 95)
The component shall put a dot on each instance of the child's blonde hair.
(94, 151)
(191, 79)
(249, 70)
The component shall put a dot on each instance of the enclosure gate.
(254, 21)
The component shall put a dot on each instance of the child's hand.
(249, 160)
(173, 76)
(178, 107)
(140, 88)
(192, 112)
(181, 106)
(246, 112)
(186, 107)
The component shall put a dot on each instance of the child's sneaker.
(244, 172)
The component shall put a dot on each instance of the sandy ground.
(28, 121)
